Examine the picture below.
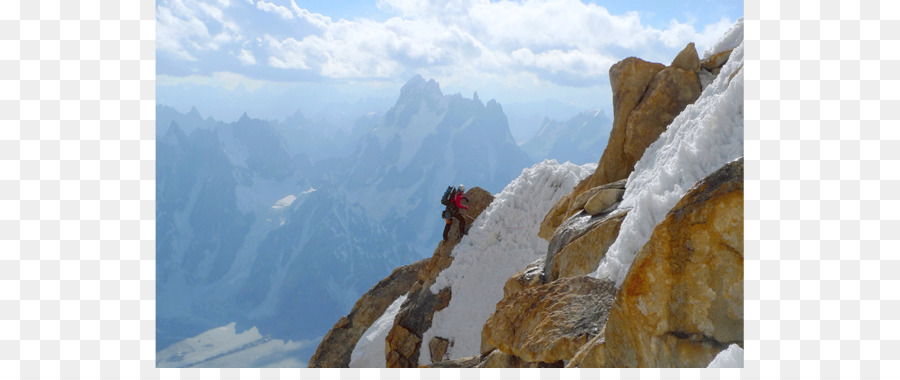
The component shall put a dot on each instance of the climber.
(453, 211)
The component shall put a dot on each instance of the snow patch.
(284, 202)
(502, 241)
(731, 357)
(369, 350)
(222, 347)
(707, 135)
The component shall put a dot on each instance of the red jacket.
(458, 198)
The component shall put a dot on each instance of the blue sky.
(514, 51)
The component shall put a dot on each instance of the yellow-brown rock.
(337, 345)
(646, 98)
(671, 91)
(582, 255)
(716, 61)
(602, 200)
(500, 359)
(630, 79)
(526, 278)
(438, 348)
(592, 354)
(550, 322)
(687, 59)
(404, 340)
(558, 214)
(682, 299)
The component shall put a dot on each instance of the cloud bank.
(563, 42)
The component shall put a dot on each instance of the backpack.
(447, 199)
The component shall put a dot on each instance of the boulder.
(526, 278)
(438, 348)
(687, 59)
(574, 229)
(602, 200)
(582, 255)
(549, 323)
(404, 340)
(682, 300)
(630, 79)
(337, 345)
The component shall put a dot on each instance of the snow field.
(502, 241)
(707, 135)
(369, 350)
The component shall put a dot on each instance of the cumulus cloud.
(185, 26)
(553, 41)
(279, 10)
(561, 41)
(246, 57)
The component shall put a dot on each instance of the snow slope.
(708, 134)
(502, 241)
(369, 350)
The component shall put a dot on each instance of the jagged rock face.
(682, 300)
(335, 349)
(646, 98)
(404, 341)
(550, 322)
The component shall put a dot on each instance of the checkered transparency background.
(77, 197)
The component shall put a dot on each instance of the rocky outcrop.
(715, 61)
(646, 98)
(582, 254)
(338, 343)
(404, 340)
(526, 278)
(578, 245)
(682, 300)
(549, 323)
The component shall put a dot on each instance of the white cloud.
(281, 11)
(246, 57)
(560, 41)
(183, 27)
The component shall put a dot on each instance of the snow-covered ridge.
(708, 134)
(501, 242)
